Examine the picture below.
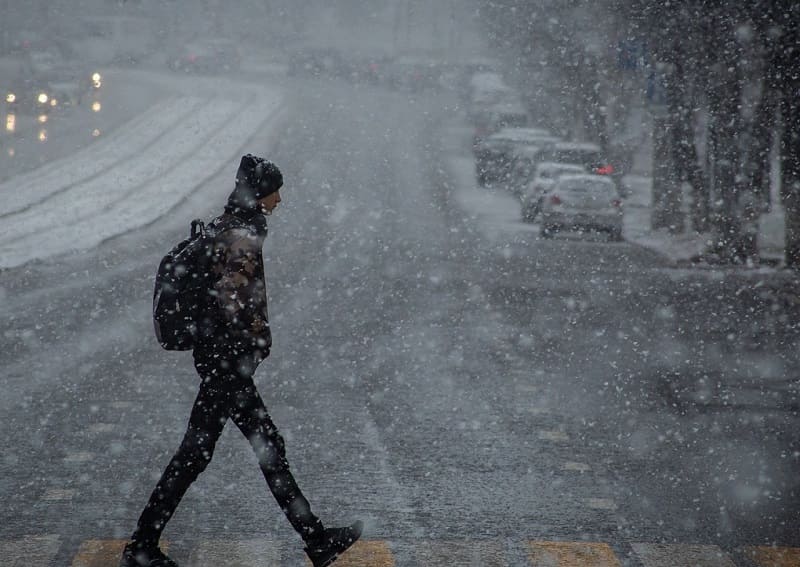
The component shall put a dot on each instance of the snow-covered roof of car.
(534, 148)
(508, 106)
(577, 146)
(522, 134)
(558, 166)
(488, 82)
(586, 178)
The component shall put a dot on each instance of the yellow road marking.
(102, 552)
(366, 554)
(244, 553)
(774, 556)
(571, 554)
(468, 552)
(669, 555)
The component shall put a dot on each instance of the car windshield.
(588, 157)
(588, 188)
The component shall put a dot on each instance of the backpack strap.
(198, 228)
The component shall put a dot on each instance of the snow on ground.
(638, 211)
(497, 210)
(131, 178)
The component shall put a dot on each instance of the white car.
(582, 202)
(544, 176)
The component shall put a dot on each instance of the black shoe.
(325, 549)
(141, 556)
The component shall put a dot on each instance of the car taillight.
(616, 203)
(192, 58)
(604, 170)
(555, 199)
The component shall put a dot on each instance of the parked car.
(494, 155)
(486, 90)
(582, 202)
(584, 153)
(417, 73)
(215, 55)
(523, 166)
(317, 62)
(497, 117)
(545, 174)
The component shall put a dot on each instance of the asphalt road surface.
(477, 396)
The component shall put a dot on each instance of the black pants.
(227, 391)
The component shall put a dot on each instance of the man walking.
(233, 337)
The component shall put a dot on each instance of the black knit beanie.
(255, 179)
(261, 175)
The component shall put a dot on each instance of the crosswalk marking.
(366, 554)
(467, 552)
(58, 494)
(103, 552)
(101, 428)
(571, 554)
(558, 436)
(579, 467)
(41, 551)
(246, 553)
(601, 503)
(29, 551)
(774, 556)
(79, 457)
(669, 555)
(98, 553)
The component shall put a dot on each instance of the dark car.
(586, 154)
(44, 80)
(317, 62)
(494, 156)
(206, 56)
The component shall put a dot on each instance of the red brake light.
(604, 170)
(192, 58)
(555, 199)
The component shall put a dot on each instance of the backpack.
(181, 287)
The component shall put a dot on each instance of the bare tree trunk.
(725, 97)
(790, 170)
(686, 157)
(666, 181)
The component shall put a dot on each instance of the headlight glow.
(53, 102)
(96, 106)
(11, 123)
(43, 98)
(11, 97)
(42, 118)
(96, 77)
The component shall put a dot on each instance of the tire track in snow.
(62, 174)
(85, 201)
(153, 199)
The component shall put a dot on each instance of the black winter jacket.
(235, 312)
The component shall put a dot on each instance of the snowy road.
(473, 393)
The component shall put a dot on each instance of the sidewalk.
(681, 248)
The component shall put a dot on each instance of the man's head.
(257, 184)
